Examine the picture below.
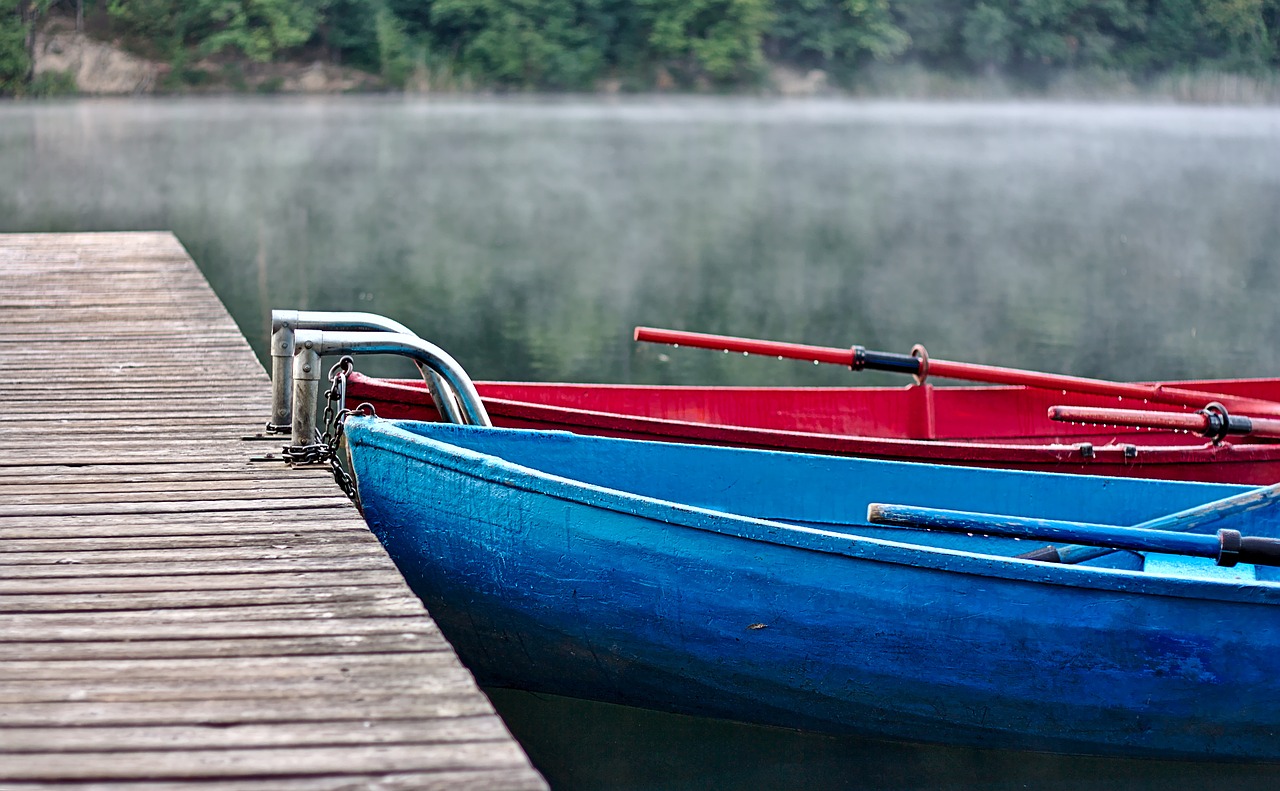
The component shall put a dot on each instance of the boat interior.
(833, 493)
(925, 412)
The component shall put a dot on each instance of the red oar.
(921, 365)
(1212, 421)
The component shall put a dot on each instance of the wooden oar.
(1175, 524)
(1213, 421)
(921, 366)
(1227, 547)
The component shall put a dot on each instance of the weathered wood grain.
(271, 540)
(295, 523)
(186, 507)
(318, 684)
(179, 623)
(94, 671)
(219, 579)
(223, 647)
(186, 492)
(172, 614)
(181, 737)
(261, 601)
(78, 568)
(140, 472)
(451, 780)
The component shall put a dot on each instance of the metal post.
(306, 388)
(281, 372)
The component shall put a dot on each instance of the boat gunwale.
(622, 386)
(949, 449)
(390, 436)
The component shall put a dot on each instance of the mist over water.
(527, 237)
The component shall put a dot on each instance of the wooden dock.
(171, 613)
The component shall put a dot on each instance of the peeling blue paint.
(622, 571)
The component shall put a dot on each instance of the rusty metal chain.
(335, 417)
(302, 455)
(335, 397)
(326, 448)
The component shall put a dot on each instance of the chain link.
(336, 396)
(301, 455)
(330, 439)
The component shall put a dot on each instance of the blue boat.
(749, 585)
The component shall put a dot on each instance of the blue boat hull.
(675, 577)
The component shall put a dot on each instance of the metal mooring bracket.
(284, 346)
(311, 345)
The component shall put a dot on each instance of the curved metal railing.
(285, 324)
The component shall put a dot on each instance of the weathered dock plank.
(173, 614)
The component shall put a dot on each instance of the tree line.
(692, 44)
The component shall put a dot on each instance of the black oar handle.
(1219, 424)
(1227, 548)
(884, 361)
(1233, 548)
(1236, 548)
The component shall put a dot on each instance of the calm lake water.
(528, 238)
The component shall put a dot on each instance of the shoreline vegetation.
(1196, 51)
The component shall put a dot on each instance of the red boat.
(985, 426)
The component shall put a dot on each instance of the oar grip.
(1219, 424)
(885, 361)
(1235, 548)
(1228, 547)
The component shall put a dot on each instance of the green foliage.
(1231, 35)
(554, 44)
(155, 27)
(349, 30)
(395, 57)
(573, 44)
(1055, 33)
(14, 61)
(719, 39)
(1175, 35)
(988, 36)
(416, 15)
(52, 84)
(830, 33)
(152, 19)
(933, 28)
(257, 29)
(1238, 30)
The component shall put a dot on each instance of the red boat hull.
(974, 426)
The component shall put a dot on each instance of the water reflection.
(528, 237)
(591, 746)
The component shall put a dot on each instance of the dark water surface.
(528, 237)
(586, 746)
